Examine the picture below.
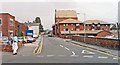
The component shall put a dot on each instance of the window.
(84, 25)
(0, 33)
(0, 21)
(77, 29)
(106, 25)
(87, 25)
(67, 29)
(71, 28)
(58, 20)
(71, 24)
(11, 23)
(84, 29)
(102, 28)
(87, 29)
(66, 24)
(77, 24)
(106, 30)
(63, 24)
(98, 25)
(93, 29)
(11, 33)
(63, 29)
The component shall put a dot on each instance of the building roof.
(31, 24)
(95, 22)
(70, 21)
(82, 32)
(66, 14)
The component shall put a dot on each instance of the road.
(56, 50)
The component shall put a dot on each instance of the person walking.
(14, 45)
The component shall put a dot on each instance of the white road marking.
(102, 57)
(61, 45)
(115, 58)
(50, 55)
(67, 49)
(87, 52)
(61, 55)
(73, 53)
(88, 56)
(40, 56)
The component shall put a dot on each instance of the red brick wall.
(103, 34)
(111, 43)
(5, 27)
(22, 27)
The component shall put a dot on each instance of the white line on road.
(102, 57)
(115, 58)
(87, 52)
(61, 45)
(61, 55)
(50, 55)
(88, 56)
(67, 49)
(73, 53)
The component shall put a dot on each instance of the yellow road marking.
(96, 50)
(40, 48)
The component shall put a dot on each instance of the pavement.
(57, 50)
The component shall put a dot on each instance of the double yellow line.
(40, 47)
(96, 50)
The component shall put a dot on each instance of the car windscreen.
(3, 39)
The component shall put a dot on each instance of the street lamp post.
(118, 35)
(84, 25)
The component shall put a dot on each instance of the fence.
(104, 42)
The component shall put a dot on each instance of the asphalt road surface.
(56, 50)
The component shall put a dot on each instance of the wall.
(108, 43)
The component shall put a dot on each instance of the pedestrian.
(14, 45)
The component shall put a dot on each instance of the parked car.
(4, 40)
(25, 39)
(50, 35)
(30, 39)
(20, 39)
(35, 36)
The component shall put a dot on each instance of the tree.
(37, 20)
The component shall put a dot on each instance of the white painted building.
(34, 27)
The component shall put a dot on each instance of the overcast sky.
(27, 10)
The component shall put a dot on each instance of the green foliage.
(37, 20)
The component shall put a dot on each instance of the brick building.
(8, 25)
(20, 29)
(67, 21)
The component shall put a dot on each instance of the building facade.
(8, 25)
(33, 26)
(67, 21)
